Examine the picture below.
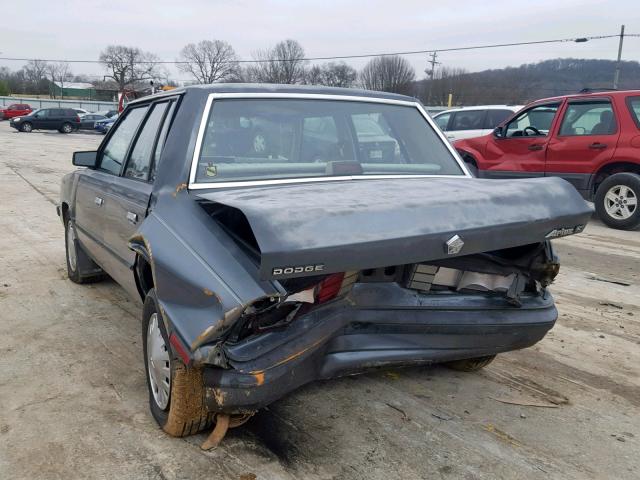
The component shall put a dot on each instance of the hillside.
(527, 82)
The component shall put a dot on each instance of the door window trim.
(552, 127)
(574, 101)
(113, 128)
(132, 145)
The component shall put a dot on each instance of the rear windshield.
(279, 139)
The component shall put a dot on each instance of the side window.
(42, 113)
(633, 103)
(163, 135)
(139, 164)
(115, 151)
(468, 120)
(442, 121)
(496, 117)
(534, 122)
(589, 118)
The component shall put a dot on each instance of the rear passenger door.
(129, 194)
(587, 138)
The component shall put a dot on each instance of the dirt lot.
(73, 400)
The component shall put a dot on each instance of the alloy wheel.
(620, 202)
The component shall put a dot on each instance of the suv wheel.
(66, 128)
(176, 391)
(617, 201)
(26, 127)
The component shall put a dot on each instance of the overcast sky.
(80, 29)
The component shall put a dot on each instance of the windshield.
(277, 139)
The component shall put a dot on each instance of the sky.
(80, 29)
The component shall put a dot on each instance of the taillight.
(329, 287)
(77, 119)
(334, 286)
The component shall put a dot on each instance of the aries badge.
(454, 245)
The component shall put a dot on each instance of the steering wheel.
(533, 129)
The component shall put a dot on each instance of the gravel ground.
(74, 402)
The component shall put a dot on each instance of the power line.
(346, 57)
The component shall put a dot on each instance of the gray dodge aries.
(281, 234)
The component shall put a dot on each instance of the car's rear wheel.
(75, 255)
(470, 364)
(66, 128)
(617, 201)
(176, 391)
(26, 127)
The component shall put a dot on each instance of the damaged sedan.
(278, 235)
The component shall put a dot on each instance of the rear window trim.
(193, 185)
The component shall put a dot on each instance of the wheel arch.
(613, 167)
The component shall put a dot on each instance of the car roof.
(594, 93)
(276, 88)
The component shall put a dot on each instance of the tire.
(66, 128)
(470, 364)
(472, 168)
(185, 412)
(74, 254)
(26, 127)
(617, 201)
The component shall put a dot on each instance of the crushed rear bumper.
(342, 339)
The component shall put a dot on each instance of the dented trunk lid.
(336, 226)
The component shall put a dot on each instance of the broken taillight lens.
(328, 289)
(335, 285)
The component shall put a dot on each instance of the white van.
(469, 122)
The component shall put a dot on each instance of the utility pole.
(616, 76)
(430, 72)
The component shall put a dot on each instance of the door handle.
(598, 145)
(98, 201)
(533, 148)
(132, 217)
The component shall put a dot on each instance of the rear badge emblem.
(454, 245)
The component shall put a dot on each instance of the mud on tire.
(186, 413)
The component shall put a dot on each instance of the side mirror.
(85, 159)
(498, 132)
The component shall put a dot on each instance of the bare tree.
(388, 74)
(284, 63)
(129, 65)
(208, 61)
(59, 74)
(332, 75)
(35, 71)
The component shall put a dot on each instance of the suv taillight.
(77, 119)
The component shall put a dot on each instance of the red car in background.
(591, 139)
(15, 110)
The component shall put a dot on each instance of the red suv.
(591, 139)
(15, 110)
